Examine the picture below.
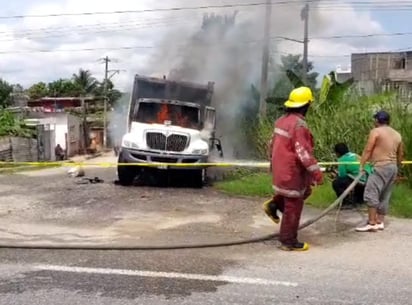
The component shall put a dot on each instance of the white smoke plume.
(229, 55)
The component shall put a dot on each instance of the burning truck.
(169, 122)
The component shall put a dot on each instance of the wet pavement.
(342, 266)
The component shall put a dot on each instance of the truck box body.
(157, 88)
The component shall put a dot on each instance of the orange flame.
(165, 115)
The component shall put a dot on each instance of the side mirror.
(218, 145)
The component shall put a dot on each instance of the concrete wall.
(5, 149)
(18, 149)
(73, 135)
(379, 66)
(24, 150)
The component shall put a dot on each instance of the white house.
(343, 73)
(64, 129)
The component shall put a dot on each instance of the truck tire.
(126, 174)
(198, 178)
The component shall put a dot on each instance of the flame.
(165, 114)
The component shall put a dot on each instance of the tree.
(63, 88)
(5, 90)
(112, 93)
(331, 90)
(290, 76)
(38, 90)
(86, 83)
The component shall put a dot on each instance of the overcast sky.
(68, 43)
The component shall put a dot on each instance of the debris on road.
(77, 171)
(86, 180)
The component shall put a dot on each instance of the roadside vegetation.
(260, 185)
(12, 125)
(340, 113)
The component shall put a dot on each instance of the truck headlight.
(130, 144)
(200, 151)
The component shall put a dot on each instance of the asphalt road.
(342, 266)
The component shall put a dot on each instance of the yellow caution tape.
(164, 165)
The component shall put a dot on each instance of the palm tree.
(85, 82)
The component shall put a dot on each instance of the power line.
(363, 35)
(76, 50)
(153, 47)
(142, 47)
(205, 44)
(51, 34)
(325, 4)
(142, 25)
(235, 5)
(69, 28)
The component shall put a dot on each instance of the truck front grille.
(174, 142)
(156, 140)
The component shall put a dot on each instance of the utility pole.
(265, 61)
(107, 77)
(105, 97)
(305, 18)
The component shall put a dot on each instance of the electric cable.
(330, 5)
(151, 10)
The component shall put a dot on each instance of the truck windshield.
(158, 113)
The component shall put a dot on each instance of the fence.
(16, 149)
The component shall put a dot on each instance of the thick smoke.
(225, 46)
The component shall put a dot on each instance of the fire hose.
(128, 246)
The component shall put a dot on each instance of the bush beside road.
(260, 185)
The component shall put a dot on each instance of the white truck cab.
(171, 131)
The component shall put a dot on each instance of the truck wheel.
(126, 174)
(198, 177)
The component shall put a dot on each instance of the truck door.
(210, 118)
(210, 124)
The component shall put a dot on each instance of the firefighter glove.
(317, 177)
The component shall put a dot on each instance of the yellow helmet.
(299, 97)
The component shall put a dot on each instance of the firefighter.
(294, 168)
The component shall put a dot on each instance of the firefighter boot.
(271, 209)
(298, 246)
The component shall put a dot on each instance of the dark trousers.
(291, 209)
(340, 184)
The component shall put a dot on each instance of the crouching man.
(348, 170)
(294, 168)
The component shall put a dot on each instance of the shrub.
(11, 125)
(346, 120)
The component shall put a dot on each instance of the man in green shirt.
(347, 173)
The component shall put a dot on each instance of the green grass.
(260, 185)
(257, 184)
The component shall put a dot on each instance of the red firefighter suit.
(293, 168)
